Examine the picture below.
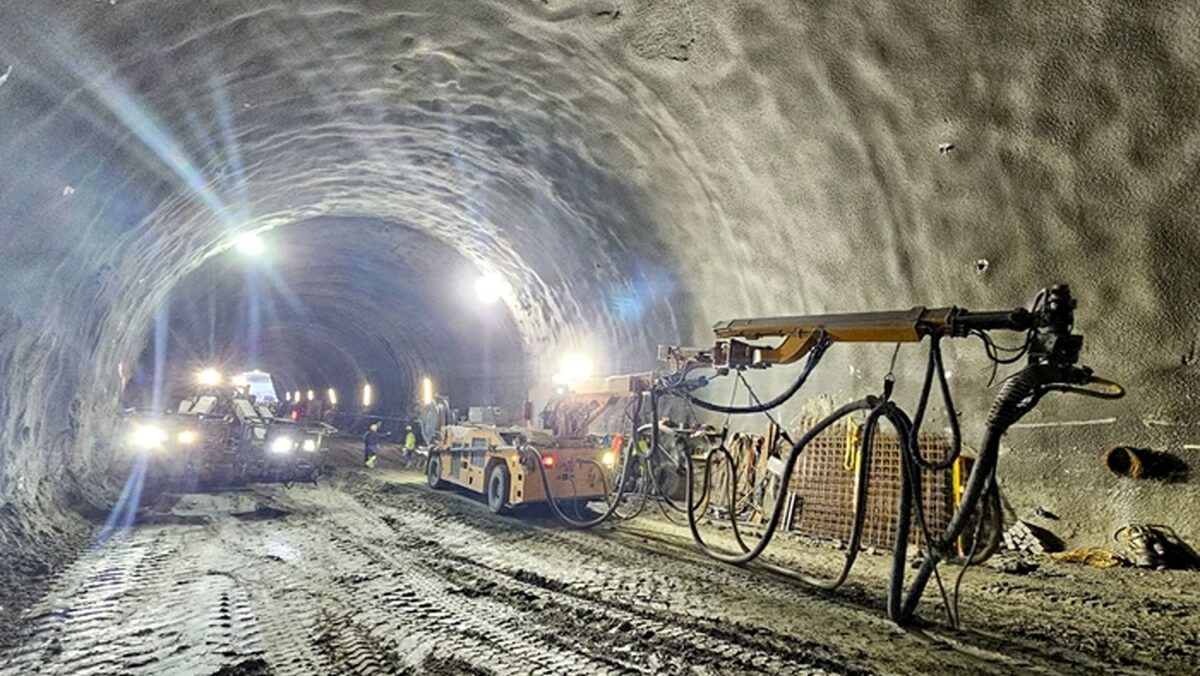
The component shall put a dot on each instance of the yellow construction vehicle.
(503, 462)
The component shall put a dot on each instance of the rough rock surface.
(634, 169)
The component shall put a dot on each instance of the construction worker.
(371, 445)
(410, 443)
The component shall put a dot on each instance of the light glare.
(574, 368)
(491, 288)
(147, 437)
(250, 244)
(209, 377)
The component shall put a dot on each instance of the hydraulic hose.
(621, 482)
(789, 466)
(814, 358)
(1016, 398)
(878, 409)
(732, 473)
(936, 367)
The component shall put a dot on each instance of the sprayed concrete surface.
(634, 169)
(372, 572)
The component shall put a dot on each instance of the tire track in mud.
(374, 578)
(380, 611)
(131, 605)
(617, 598)
(615, 567)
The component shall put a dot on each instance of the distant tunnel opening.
(341, 304)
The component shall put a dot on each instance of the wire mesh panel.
(822, 486)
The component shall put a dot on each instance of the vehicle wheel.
(433, 471)
(497, 488)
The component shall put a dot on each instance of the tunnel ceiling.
(634, 169)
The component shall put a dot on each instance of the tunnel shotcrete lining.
(635, 177)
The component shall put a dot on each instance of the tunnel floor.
(374, 573)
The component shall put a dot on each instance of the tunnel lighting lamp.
(311, 395)
(208, 377)
(574, 368)
(427, 390)
(309, 445)
(147, 436)
(186, 437)
(366, 399)
(282, 445)
(250, 244)
(490, 288)
(332, 397)
(287, 396)
(296, 396)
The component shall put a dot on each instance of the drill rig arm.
(799, 334)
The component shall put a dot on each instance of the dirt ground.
(371, 572)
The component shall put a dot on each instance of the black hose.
(814, 358)
(621, 481)
(789, 465)
(732, 473)
(1017, 397)
(936, 367)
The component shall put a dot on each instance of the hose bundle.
(1046, 372)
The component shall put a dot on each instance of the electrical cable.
(969, 559)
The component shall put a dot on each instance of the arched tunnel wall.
(635, 170)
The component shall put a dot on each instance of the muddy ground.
(371, 572)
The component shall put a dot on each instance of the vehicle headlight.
(608, 459)
(309, 445)
(282, 445)
(147, 436)
(187, 437)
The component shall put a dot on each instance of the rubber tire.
(497, 488)
(433, 471)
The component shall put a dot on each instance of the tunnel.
(357, 197)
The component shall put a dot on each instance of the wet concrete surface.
(372, 572)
